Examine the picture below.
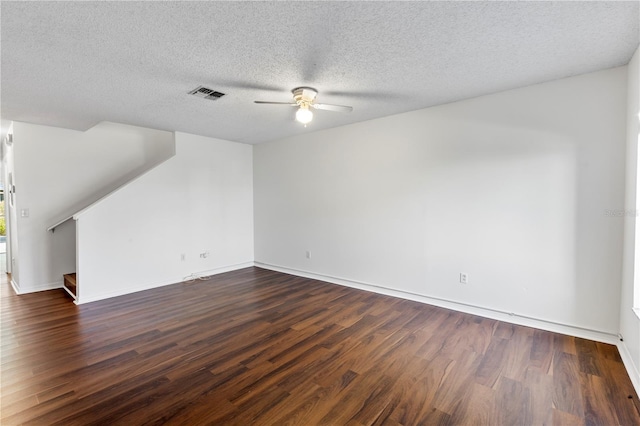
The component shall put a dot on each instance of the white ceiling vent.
(206, 93)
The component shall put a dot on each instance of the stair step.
(70, 283)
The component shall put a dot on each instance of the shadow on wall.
(146, 148)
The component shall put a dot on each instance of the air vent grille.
(206, 93)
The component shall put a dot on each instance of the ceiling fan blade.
(330, 107)
(276, 103)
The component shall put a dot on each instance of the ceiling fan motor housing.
(304, 95)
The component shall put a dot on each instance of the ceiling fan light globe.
(304, 115)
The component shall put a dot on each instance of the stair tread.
(70, 282)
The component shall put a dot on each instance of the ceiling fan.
(304, 99)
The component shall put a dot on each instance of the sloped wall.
(152, 231)
(59, 171)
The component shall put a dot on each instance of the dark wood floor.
(260, 347)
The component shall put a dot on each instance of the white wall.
(58, 171)
(200, 200)
(629, 322)
(513, 188)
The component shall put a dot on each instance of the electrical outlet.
(183, 257)
(308, 253)
(464, 278)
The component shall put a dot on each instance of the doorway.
(3, 233)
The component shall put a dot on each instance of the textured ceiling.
(74, 64)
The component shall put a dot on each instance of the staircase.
(70, 284)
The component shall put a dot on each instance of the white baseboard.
(585, 333)
(82, 300)
(16, 287)
(630, 365)
(34, 289)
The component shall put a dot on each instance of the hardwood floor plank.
(435, 417)
(300, 404)
(542, 350)
(211, 407)
(418, 401)
(513, 401)
(376, 347)
(627, 409)
(541, 394)
(566, 344)
(275, 373)
(319, 402)
(479, 408)
(492, 363)
(567, 394)
(561, 418)
(165, 399)
(518, 353)
(588, 357)
(597, 411)
(260, 347)
(457, 383)
(326, 362)
(362, 401)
